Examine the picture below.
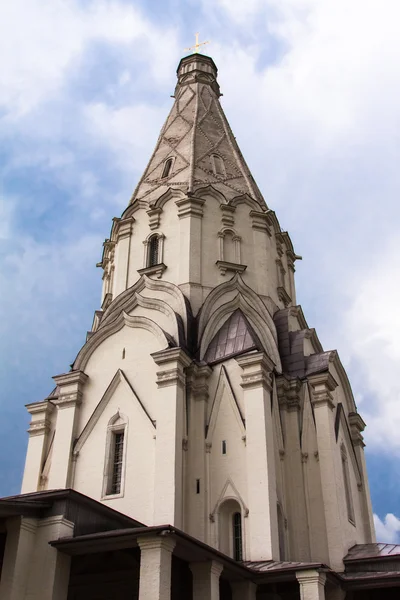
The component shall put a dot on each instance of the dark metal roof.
(372, 551)
(267, 566)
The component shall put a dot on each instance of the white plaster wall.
(139, 447)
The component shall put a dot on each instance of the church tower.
(201, 398)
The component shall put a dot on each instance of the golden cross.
(197, 44)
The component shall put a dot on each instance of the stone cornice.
(289, 393)
(197, 381)
(323, 384)
(154, 217)
(173, 361)
(257, 368)
(157, 270)
(357, 425)
(70, 385)
(261, 221)
(228, 212)
(190, 206)
(224, 266)
(73, 377)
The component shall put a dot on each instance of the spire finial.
(197, 45)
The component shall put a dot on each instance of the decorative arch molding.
(119, 378)
(222, 385)
(161, 306)
(170, 194)
(116, 325)
(236, 241)
(233, 494)
(210, 190)
(128, 300)
(260, 326)
(343, 380)
(245, 199)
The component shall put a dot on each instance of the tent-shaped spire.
(198, 141)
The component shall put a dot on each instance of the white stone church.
(203, 445)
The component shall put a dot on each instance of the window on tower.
(237, 536)
(167, 168)
(113, 484)
(117, 462)
(153, 251)
(218, 165)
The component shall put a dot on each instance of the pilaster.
(155, 567)
(289, 391)
(197, 509)
(123, 232)
(38, 432)
(190, 213)
(261, 479)
(168, 487)
(322, 386)
(312, 585)
(357, 425)
(262, 243)
(67, 402)
(206, 580)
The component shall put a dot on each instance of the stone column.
(322, 386)
(190, 213)
(197, 509)
(244, 590)
(49, 568)
(67, 402)
(312, 585)
(155, 567)
(206, 580)
(289, 403)
(168, 485)
(261, 481)
(20, 543)
(38, 432)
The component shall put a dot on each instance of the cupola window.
(167, 168)
(153, 251)
(218, 165)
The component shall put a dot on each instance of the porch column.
(312, 585)
(155, 567)
(260, 460)
(168, 492)
(244, 590)
(20, 542)
(35, 455)
(49, 568)
(67, 403)
(206, 580)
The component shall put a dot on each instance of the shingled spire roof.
(198, 139)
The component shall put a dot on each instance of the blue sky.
(311, 90)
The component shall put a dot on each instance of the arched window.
(115, 456)
(153, 251)
(217, 164)
(230, 529)
(237, 536)
(167, 168)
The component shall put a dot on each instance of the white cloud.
(388, 530)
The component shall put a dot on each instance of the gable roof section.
(234, 337)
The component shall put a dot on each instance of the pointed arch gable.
(256, 320)
(223, 385)
(210, 190)
(118, 379)
(170, 194)
(234, 495)
(123, 319)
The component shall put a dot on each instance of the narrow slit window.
(237, 536)
(167, 168)
(153, 251)
(223, 446)
(347, 488)
(197, 486)
(117, 460)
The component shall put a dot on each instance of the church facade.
(203, 444)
